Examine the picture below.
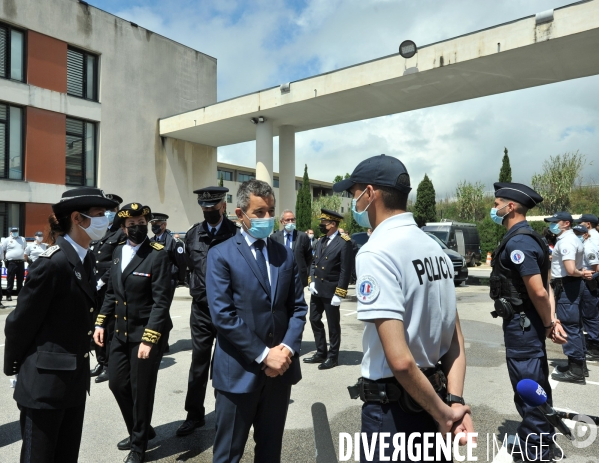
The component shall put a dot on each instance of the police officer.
(591, 222)
(14, 256)
(213, 230)
(330, 273)
(174, 248)
(406, 297)
(567, 283)
(138, 297)
(590, 295)
(48, 334)
(33, 250)
(519, 287)
(102, 251)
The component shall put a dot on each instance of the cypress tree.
(425, 206)
(221, 180)
(303, 204)
(505, 174)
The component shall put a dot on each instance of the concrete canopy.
(547, 48)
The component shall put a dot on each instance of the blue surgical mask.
(361, 217)
(495, 218)
(581, 238)
(554, 228)
(261, 228)
(289, 227)
(14, 234)
(111, 215)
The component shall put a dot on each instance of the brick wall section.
(46, 62)
(45, 146)
(36, 219)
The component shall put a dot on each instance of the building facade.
(81, 96)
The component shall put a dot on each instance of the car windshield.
(437, 240)
(440, 234)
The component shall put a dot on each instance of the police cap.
(580, 229)
(378, 170)
(518, 192)
(327, 214)
(13, 229)
(81, 199)
(588, 218)
(39, 233)
(159, 217)
(211, 196)
(563, 215)
(114, 197)
(134, 210)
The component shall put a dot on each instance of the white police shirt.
(14, 248)
(591, 254)
(594, 236)
(404, 274)
(567, 247)
(33, 250)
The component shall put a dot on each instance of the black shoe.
(8, 299)
(134, 457)
(125, 444)
(564, 368)
(188, 427)
(96, 371)
(328, 364)
(315, 359)
(574, 374)
(592, 355)
(2, 306)
(102, 376)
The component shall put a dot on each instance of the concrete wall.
(143, 77)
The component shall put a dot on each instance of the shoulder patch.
(180, 249)
(157, 246)
(517, 256)
(367, 289)
(591, 256)
(51, 250)
(346, 237)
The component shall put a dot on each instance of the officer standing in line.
(567, 283)
(591, 222)
(33, 250)
(138, 298)
(174, 248)
(519, 287)
(590, 295)
(329, 278)
(414, 360)
(102, 251)
(214, 229)
(14, 256)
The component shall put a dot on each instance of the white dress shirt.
(80, 250)
(129, 250)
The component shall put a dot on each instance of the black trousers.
(318, 305)
(202, 338)
(14, 269)
(133, 383)
(265, 409)
(51, 436)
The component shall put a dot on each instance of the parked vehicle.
(361, 238)
(460, 269)
(460, 237)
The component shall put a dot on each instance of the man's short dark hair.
(393, 199)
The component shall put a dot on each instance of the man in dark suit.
(329, 278)
(257, 305)
(296, 240)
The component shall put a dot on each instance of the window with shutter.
(11, 142)
(12, 53)
(82, 69)
(80, 153)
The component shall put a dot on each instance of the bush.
(490, 234)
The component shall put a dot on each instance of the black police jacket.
(48, 334)
(102, 251)
(197, 243)
(332, 266)
(176, 253)
(139, 297)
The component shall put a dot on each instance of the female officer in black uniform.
(48, 334)
(138, 297)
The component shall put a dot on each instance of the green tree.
(557, 180)
(332, 203)
(303, 204)
(505, 174)
(337, 179)
(221, 180)
(425, 206)
(470, 199)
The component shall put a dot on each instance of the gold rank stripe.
(151, 336)
(340, 292)
(100, 320)
(309, 280)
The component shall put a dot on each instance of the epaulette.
(157, 246)
(346, 237)
(122, 242)
(193, 226)
(51, 250)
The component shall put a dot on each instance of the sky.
(260, 44)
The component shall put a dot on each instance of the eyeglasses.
(289, 220)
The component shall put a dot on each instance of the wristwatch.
(454, 399)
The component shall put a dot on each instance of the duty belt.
(567, 279)
(17, 261)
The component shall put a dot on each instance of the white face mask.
(310, 235)
(97, 228)
(39, 239)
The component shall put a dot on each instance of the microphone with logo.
(535, 396)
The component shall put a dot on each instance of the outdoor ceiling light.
(407, 49)
(261, 118)
(254, 120)
(257, 120)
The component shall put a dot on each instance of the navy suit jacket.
(247, 319)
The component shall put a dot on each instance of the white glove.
(99, 285)
(336, 301)
(312, 289)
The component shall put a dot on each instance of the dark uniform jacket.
(48, 335)
(332, 266)
(197, 243)
(102, 251)
(302, 251)
(139, 297)
(176, 253)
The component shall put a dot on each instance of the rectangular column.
(287, 195)
(264, 151)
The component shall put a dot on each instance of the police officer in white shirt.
(14, 257)
(33, 250)
(567, 283)
(414, 361)
(591, 222)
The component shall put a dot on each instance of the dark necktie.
(261, 261)
(212, 232)
(289, 240)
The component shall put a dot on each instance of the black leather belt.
(16, 261)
